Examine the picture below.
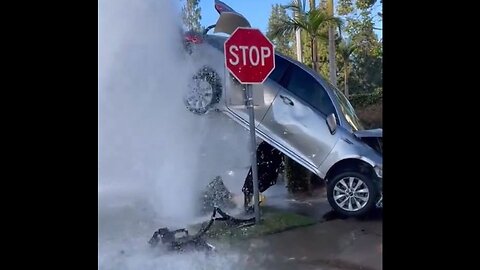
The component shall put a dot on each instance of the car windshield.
(347, 109)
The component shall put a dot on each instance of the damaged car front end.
(374, 139)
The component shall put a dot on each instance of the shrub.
(371, 116)
(364, 100)
(298, 177)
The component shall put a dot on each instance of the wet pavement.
(336, 244)
(333, 243)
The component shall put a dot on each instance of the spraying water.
(154, 156)
(137, 110)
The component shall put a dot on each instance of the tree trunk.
(346, 74)
(313, 42)
(314, 54)
(298, 37)
(315, 51)
(331, 47)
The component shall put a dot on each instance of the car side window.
(281, 66)
(309, 90)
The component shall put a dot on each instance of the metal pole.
(253, 154)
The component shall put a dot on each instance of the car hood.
(370, 133)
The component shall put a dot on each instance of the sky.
(257, 12)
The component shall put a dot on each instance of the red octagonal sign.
(249, 55)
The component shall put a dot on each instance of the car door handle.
(286, 100)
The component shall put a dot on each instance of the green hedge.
(364, 100)
(298, 177)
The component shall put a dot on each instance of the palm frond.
(293, 6)
(287, 27)
(346, 48)
(322, 36)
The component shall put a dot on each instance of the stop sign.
(249, 55)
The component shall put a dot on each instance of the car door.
(263, 94)
(297, 118)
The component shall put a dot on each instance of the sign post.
(253, 153)
(250, 57)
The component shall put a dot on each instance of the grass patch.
(273, 221)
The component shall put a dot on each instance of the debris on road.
(195, 242)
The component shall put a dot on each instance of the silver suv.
(303, 116)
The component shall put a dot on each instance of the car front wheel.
(352, 194)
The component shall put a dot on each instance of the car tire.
(205, 90)
(352, 194)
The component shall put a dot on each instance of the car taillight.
(194, 39)
(219, 8)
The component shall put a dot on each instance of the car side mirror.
(332, 123)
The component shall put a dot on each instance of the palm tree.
(313, 22)
(345, 50)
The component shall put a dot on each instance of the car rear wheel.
(352, 194)
(205, 90)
